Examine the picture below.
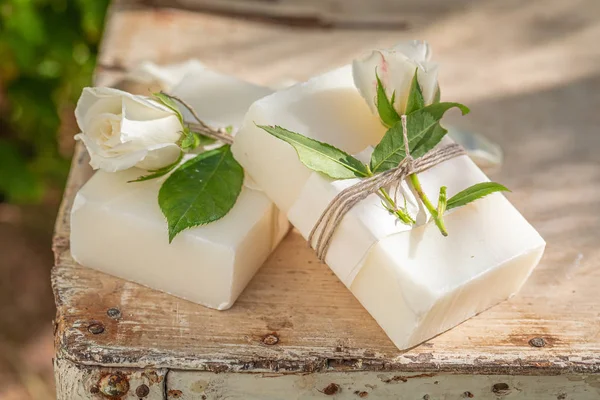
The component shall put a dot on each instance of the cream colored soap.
(413, 281)
(118, 228)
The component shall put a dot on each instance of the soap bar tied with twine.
(324, 229)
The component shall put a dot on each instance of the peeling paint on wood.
(77, 382)
(371, 385)
(295, 317)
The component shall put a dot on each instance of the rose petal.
(97, 100)
(148, 127)
(104, 128)
(144, 108)
(399, 76)
(100, 159)
(428, 80)
(416, 50)
(396, 68)
(121, 130)
(363, 72)
(94, 101)
(160, 156)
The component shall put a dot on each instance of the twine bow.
(332, 216)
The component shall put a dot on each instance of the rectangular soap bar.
(118, 228)
(412, 280)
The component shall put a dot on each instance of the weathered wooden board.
(530, 74)
(380, 386)
(75, 382)
(372, 14)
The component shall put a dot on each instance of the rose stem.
(434, 214)
(403, 216)
(417, 184)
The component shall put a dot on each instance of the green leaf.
(437, 111)
(473, 193)
(193, 139)
(442, 202)
(204, 140)
(424, 133)
(434, 131)
(229, 129)
(320, 157)
(438, 95)
(170, 103)
(415, 96)
(389, 116)
(157, 173)
(201, 191)
(429, 140)
(390, 150)
(190, 140)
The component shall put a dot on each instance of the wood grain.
(531, 83)
(355, 14)
(380, 386)
(78, 382)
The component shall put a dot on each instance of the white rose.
(121, 130)
(396, 68)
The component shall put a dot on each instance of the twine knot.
(324, 229)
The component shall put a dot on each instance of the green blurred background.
(48, 52)
(47, 55)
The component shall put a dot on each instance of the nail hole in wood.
(96, 328)
(270, 339)
(537, 342)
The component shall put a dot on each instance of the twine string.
(201, 127)
(343, 202)
(325, 227)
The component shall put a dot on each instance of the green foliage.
(201, 191)
(415, 95)
(473, 193)
(424, 133)
(442, 201)
(423, 125)
(321, 157)
(190, 140)
(47, 55)
(170, 103)
(437, 96)
(19, 184)
(385, 107)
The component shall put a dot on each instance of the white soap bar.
(118, 228)
(413, 281)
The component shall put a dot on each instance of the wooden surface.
(530, 74)
(356, 14)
